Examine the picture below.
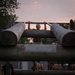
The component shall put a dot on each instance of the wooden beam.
(37, 52)
(45, 23)
(44, 72)
(38, 34)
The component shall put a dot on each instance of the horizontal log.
(12, 35)
(37, 52)
(44, 72)
(38, 34)
(46, 23)
(65, 36)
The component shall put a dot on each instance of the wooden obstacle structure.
(38, 33)
(56, 72)
(41, 52)
(38, 52)
(65, 36)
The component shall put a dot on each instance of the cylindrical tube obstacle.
(12, 35)
(65, 36)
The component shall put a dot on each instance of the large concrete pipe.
(37, 52)
(65, 36)
(12, 35)
(38, 33)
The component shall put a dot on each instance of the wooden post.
(28, 25)
(45, 26)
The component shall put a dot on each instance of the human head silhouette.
(38, 26)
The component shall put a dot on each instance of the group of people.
(65, 66)
(38, 66)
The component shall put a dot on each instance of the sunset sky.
(46, 10)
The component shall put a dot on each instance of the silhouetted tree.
(7, 12)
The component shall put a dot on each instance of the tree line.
(7, 13)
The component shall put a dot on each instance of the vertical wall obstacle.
(12, 35)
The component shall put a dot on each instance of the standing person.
(71, 24)
(60, 67)
(66, 66)
(34, 66)
(38, 26)
(37, 40)
(37, 66)
(8, 69)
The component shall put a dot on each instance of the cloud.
(64, 19)
(36, 4)
(46, 10)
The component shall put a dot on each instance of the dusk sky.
(46, 10)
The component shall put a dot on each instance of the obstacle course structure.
(38, 52)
